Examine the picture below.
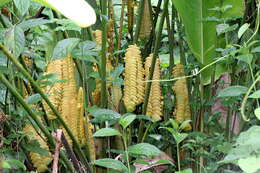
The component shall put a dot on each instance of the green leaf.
(111, 164)
(144, 149)
(224, 28)
(200, 37)
(27, 24)
(64, 47)
(22, 6)
(247, 58)
(104, 114)
(33, 99)
(185, 171)
(5, 165)
(107, 132)
(16, 164)
(3, 2)
(256, 49)
(249, 164)
(15, 40)
(232, 91)
(243, 29)
(126, 120)
(255, 95)
(237, 8)
(257, 113)
(179, 137)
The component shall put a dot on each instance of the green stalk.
(126, 151)
(103, 55)
(148, 45)
(139, 20)
(38, 90)
(178, 157)
(150, 77)
(242, 109)
(33, 116)
(171, 41)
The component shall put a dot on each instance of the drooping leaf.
(107, 132)
(15, 40)
(112, 164)
(22, 6)
(144, 149)
(64, 47)
(243, 29)
(232, 91)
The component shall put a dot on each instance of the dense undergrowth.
(152, 86)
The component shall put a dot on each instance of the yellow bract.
(40, 162)
(134, 77)
(154, 108)
(182, 109)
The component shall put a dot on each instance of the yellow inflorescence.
(134, 86)
(98, 37)
(55, 91)
(40, 162)
(69, 100)
(182, 109)
(154, 108)
(80, 121)
(146, 24)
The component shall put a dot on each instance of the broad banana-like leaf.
(200, 32)
(79, 11)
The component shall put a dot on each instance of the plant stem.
(178, 157)
(39, 90)
(103, 55)
(139, 20)
(126, 151)
(242, 109)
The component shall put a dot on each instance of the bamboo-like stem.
(150, 77)
(171, 41)
(121, 28)
(148, 45)
(139, 20)
(33, 116)
(103, 55)
(39, 90)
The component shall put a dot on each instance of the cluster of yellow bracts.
(69, 101)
